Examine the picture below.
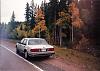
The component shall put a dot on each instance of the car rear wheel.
(51, 56)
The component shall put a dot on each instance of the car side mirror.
(19, 42)
(24, 43)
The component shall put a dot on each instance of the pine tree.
(12, 24)
(53, 10)
(27, 14)
(63, 5)
(32, 15)
(13, 17)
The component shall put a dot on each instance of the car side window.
(25, 41)
(22, 41)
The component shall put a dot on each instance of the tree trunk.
(60, 36)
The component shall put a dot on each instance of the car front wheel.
(17, 51)
(26, 56)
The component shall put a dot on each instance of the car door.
(20, 44)
(24, 45)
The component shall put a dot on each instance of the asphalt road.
(11, 62)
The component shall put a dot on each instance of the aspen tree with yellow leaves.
(75, 15)
(40, 29)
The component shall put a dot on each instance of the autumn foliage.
(76, 21)
(40, 26)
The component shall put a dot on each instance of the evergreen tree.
(12, 23)
(27, 13)
(13, 17)
(63, 5)
(53, 10)
(29, 16)
(51, 15)
(32, 15)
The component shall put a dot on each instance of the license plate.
(43, 50)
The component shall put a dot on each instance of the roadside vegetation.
(83, 60)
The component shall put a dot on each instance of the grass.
(89, 62)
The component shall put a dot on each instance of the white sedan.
(34, 47)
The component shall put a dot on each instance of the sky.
(18, 6)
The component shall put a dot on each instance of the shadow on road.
(37, 58)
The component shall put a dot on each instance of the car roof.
(33, 38)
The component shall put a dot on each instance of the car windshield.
(37, 42)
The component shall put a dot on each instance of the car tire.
(17, 51)
(51, 56)
(26, 56)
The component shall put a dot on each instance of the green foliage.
(22, 31)
(51, 13)
(13, 17)
(64, 28)
(29, 16)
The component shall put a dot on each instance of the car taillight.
(35, 50)
(50, 49)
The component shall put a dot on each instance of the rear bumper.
(41, 54)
